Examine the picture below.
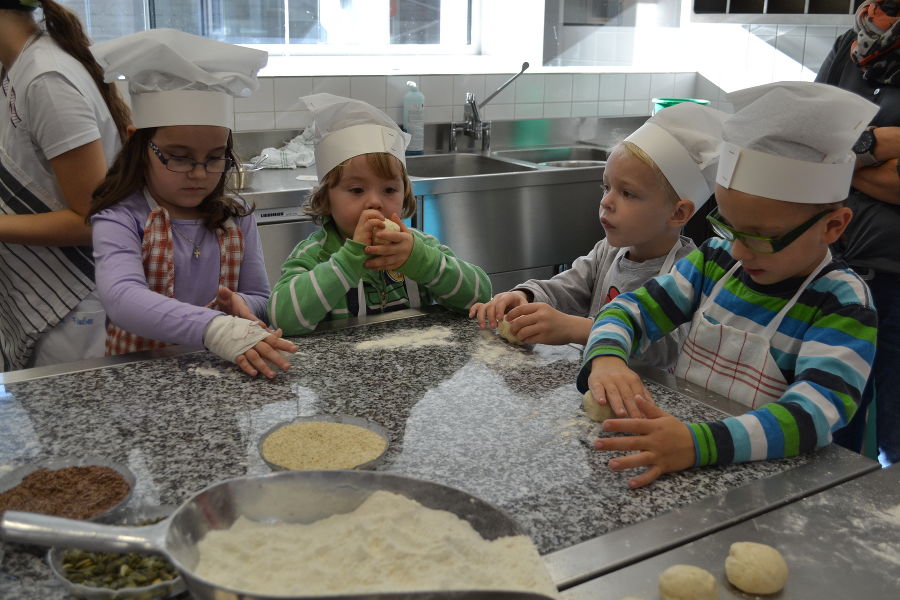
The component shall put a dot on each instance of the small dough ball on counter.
(687, 582)
(596, 412)
(506, 334)
(388, 226)
(756, 568)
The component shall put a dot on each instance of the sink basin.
(459, 165)
(563, 153)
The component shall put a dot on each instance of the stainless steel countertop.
(841, 543)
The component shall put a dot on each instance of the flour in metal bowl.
(324, 442)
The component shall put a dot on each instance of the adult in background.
(60, 128)
(866, 60)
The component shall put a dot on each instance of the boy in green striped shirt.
(777, 324)
(364, 259)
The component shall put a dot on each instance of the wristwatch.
(864, 148)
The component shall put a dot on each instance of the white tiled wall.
(531, 96)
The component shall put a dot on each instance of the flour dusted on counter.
(388, 544)
(411, 338)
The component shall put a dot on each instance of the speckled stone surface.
(462, 407)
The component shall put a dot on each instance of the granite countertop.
(462, 408)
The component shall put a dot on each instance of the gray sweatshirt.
(580, 291)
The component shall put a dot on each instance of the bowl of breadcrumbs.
(324, 442)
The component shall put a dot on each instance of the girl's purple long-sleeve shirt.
(117, 235)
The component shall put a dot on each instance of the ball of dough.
(687, 582)
(388, 226)
(756, 568)
(596, 412)
(506, 334)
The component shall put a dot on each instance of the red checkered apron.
(159, 268)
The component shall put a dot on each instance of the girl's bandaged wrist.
(229, 337)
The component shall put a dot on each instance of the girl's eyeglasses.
(759, 243)
(183, 164)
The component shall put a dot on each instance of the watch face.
(864, 143)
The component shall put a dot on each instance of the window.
(295, 26)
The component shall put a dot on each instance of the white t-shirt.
(54, 107)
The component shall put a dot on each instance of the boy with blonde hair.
(654, 181)
(776, 323)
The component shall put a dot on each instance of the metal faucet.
(473, 126)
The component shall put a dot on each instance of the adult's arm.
(78, 172)
(63, 127)
(882, 182)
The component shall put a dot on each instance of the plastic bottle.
(414, 118)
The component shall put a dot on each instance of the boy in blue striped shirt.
(776, 323)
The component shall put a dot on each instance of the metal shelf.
(787, 12)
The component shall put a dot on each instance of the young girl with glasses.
(776, 323)
(178, 260)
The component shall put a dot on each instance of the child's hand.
(661, 443)
(612, 382)
(260, 357)
(489, 314)
(540, 323)
(394, 249)
(369, 220)
(233, 304)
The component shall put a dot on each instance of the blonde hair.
(385, 165)
(638, 153)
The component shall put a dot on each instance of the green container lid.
(661, 103)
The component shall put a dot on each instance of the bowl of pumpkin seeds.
(118, 576)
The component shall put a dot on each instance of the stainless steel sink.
(460, 165)
(557, 154)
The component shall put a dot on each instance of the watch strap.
(867, 158)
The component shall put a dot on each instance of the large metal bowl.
(289, 496)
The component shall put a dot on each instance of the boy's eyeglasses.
(183, 164)
(759, 243)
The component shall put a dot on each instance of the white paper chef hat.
(683, 140)
(792, 141)
(175, 78)
(344, 128)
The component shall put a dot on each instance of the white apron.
(732, 362)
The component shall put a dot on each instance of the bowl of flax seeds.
(87, 487)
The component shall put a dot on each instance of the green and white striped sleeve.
(448, 280)
(310, 288)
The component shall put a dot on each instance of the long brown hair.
(128, 175)
(66, 30)
(386, 166)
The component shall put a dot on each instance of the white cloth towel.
(298, 152)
